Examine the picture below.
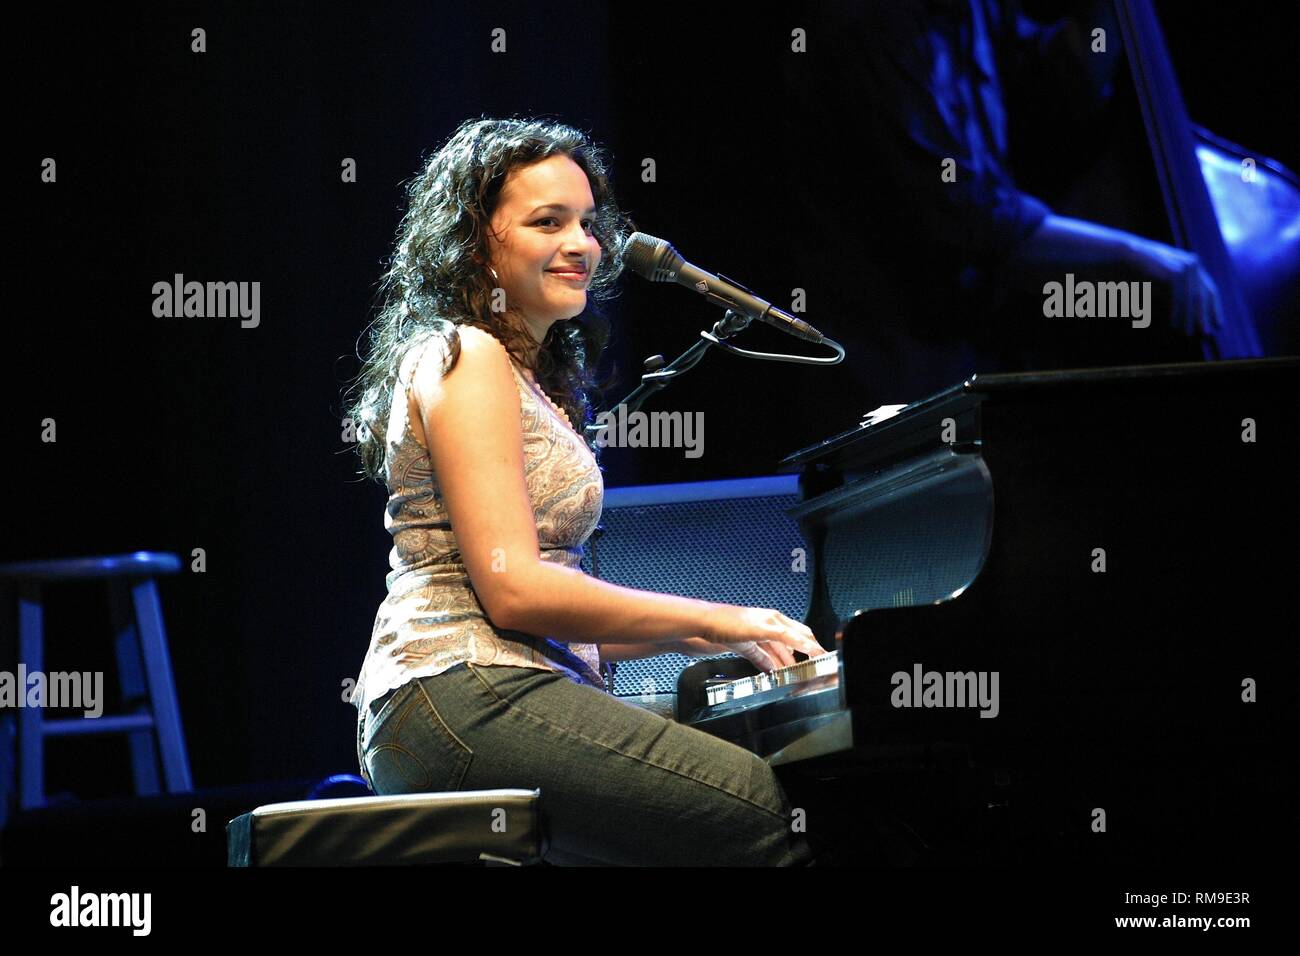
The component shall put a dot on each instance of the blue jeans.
(620, 785)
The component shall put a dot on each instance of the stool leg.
(135, 692)
(31, 730)
(162, 691)
(8, 721)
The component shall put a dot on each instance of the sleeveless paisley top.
(431, 619)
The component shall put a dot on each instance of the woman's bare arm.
(473, 428)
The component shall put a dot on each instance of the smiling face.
(543, 223)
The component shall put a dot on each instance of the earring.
(495, 278)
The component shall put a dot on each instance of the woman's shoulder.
(428, 350)
(484, 359)
(485, 355)
(429, 354)
(470, 338)
(482, 343)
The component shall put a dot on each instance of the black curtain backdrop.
(183, 434)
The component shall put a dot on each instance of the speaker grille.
(725, 541)
(915, 546)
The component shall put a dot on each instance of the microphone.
(658, 261)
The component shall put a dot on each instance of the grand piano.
(1054, 607)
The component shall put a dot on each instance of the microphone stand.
(659, 375)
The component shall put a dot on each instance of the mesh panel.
(914, 548)
(735, 550)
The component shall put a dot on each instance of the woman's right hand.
(732, 624)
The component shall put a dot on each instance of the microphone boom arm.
(659, 375)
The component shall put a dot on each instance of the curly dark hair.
(438, 277)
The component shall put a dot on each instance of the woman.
(473, 396)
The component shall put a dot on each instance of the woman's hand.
(765, 655)
(763, 636)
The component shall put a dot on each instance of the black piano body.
(1060, 603)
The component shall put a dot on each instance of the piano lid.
(913, 427)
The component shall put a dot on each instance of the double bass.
(1239, 213)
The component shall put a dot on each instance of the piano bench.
(418, 829)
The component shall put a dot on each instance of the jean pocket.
(509, 685)
(411, 749)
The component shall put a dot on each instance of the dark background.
(181, 434)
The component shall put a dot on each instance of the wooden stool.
(152, 720)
